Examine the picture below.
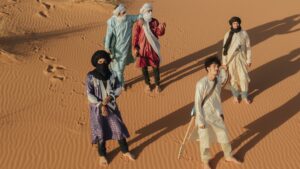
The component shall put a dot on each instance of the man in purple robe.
(106, 122)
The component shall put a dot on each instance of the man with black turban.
(237, 58)
(103, 87)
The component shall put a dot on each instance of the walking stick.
(185, 137)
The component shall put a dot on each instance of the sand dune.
(45, 50)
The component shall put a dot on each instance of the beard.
(147, 16)
(121, 19)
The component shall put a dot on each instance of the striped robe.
(112, 126)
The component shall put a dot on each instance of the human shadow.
(260, 128)
(12, 43)
(284, 67)
(171, 72)
(157, 129)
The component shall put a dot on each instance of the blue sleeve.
(109, 33)
(134, 18)
(90, 90)
(116, 88)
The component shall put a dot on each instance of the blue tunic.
(122, 54)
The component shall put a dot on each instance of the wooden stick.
(185, 137)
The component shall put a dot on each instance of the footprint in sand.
(47, 59)
(56, 72)
(54, 68)
(3, 14)
(43, 14)
(58, 77)
(15, 1)
(81, 121)
(48, 5)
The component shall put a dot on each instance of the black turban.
(101, 71)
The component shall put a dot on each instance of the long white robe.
(239, 55)
(209, 115)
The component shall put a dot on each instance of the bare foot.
(206, 166)
(129, 156)
(147, 89)
(103, 161)
(233, 160)
(247, 101)
(157, 89)
(235, 100)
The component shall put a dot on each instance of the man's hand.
(107, 100)
(104, 111)
(163, 25)
(141, 20)
(222, 116)
(108, 51)
(202, 126)
(225, 67)
(136, 52)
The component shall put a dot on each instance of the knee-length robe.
(112, 126)
(122, 32)
(209, 115)
(239, 55)
(149, 56)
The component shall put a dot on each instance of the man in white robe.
(237, 58)
(209, 119)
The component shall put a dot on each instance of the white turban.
(121, 8)
(145, 7)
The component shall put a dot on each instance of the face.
(122, 14)
(149, 11)
(213, 69)
(235, 25)
(101, 61)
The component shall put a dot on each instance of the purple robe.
(112, 126)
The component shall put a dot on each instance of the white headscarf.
(145, 8)
(121, 8)
(152, 39)
(147, 16)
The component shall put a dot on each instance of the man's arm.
(134, 18)
(109, 34)
(116, 89)
(198, 108)
(136, 36)
(224, 58)
(160, 28)
(248, 50)
(91, 92)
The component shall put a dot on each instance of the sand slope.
(45, 50)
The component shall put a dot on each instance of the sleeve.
(91, 92)
(248, 48)
(159, 31)
(222, 77)
(224, 58)
(134, 18)
(198, 108)
(108, 36)
(116, 88)
(136, 35)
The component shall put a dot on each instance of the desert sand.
(45, 51)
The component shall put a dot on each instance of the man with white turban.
(118, 40)
(146, 45)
